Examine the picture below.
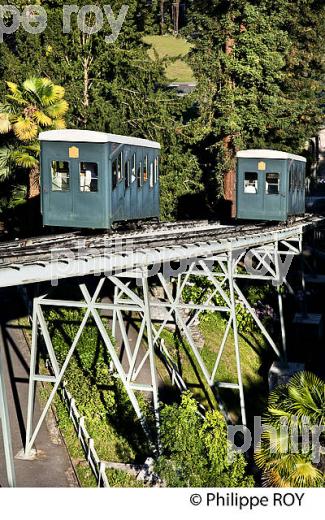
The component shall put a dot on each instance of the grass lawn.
(255, 358)
(172, 47)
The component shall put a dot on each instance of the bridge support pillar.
(6, 433)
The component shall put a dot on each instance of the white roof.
(88, 136)
(269, 154)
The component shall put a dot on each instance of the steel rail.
(138, 256)
(177, 234)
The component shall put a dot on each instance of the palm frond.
(5, 124)
(17, 98)
(46, 92)
(15, 93)
(5, 108)
(305, 474)
(38, 104)
(281, 454)
(58, 124)
(13, 87)
(58, 92)
(58, 109)
(24, 159)
(34, 148)
(5, 170)
(25, 129)
(32, 86)
(18, 196)
(42, 119)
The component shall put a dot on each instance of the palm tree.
(36, 105)
(285, 452)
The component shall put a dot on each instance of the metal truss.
(126, 301)
(267, 262)
(6, 434)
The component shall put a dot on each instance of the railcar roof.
(269, 154)
(89, 136)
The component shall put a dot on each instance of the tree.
(113, 87)
(285, 454)
(36, 105)
(260, 73)
(196, 451)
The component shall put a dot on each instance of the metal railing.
(87, 443)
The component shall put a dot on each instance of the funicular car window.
(151, 176)
(114, 173)
(127, 173)
(139, 174)
(156, 172)
(272, 183)
(298, 180)
(60, 174)
(119, 167)
(133, 169)
(145, 169)
(250, 182)
(88, 174)
(294, 178)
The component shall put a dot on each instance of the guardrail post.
(90, 447)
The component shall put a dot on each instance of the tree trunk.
(162, 16)
(33, 183)
(230, 177)
(176, 15)
(86, 83)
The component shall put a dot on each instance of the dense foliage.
(200, 290)
(260, 72)
(196, 450)
(259, 68)
(112, 87)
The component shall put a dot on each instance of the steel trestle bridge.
(168, 255)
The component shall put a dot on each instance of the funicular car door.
(137, 185)
(250, 190)
(118, 186)
(133, 190)
(56, 186)
(300, 205)
(88, 184)
(127, 165)
(275, 195)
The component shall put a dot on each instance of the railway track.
(44, 249)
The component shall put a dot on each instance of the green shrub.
(196, 450)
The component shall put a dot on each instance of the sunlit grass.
(172, 47)
(252, 350)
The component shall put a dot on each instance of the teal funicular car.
(94, 179)
(270, 185)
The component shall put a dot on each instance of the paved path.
(52, 468)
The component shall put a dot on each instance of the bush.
(196, 451)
